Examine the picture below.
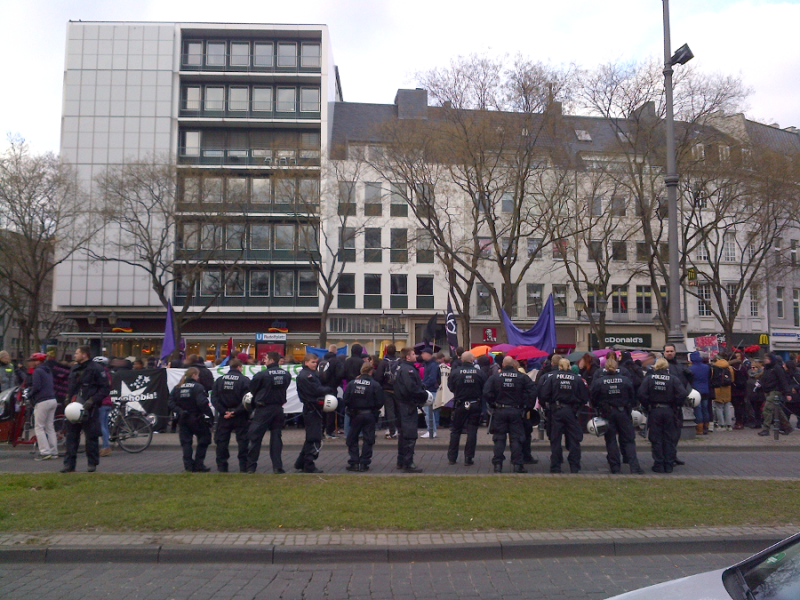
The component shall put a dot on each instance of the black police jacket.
(229, 391)
(331, 369)
(363, 393)
(408, 386)
(564, 387)
(310, 388)
(661, 387)
(612, 389)
(206, 377)
(191, 399)
(510, 388)
(633, 371)
(269, 386)
(89, 382)
(466, 381)
(774, 379)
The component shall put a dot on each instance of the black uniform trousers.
(91, 431)
(507, 421)
(462, 418)
(527, 428)
(407, 433)
(661, 422)
(222, 438)
(265, 418)
(620, 425)
(312, 417)
(564, 422)
(390, 412)
(189, 426)
(362, 422)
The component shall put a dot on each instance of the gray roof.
(776, 139)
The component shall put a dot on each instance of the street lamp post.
(112, 320)
(682, 56)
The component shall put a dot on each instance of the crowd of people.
(558, 397)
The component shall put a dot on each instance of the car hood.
(705, 586)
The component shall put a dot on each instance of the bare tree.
(44, 221)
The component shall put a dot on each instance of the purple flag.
(542, 334)
(168, 345)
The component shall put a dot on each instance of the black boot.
(520, 469)
(498, 468)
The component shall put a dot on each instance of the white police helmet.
(693, 399)
(100, 360)
(638, 418)
(74, 412)
(247, 400)
(431, 398)
(330, 403)
(597, 426)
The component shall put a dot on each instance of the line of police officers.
(516, 402)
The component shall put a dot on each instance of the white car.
(772, 574)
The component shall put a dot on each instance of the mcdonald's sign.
(691, 276)
(763, 339)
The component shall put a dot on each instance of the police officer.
(409, 394)
(190, 402)
(662, 392)
(269, 395)
(509, 392)
(232, 417)
(612, 395)
(563, 393)
(363, 400)
(466, 381)
(312, 394)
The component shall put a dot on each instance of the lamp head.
(91, 318)
(682, 55)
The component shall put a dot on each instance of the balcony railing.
(299, 256)
(276, 208)
(250, 157)
(252, 110)
(248, 64)
(312, 303)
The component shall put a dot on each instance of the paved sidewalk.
(295, 547)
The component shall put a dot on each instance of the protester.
(331, 374)
(775, 386)
(42, 397)
(205, 378)
(385, 375)
(105, 409)
(722, 378)
(430, 381)
(701, 374)
(738, 391)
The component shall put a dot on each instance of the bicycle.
(128, 427)
(22, 432)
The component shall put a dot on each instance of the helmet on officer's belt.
(429, 401)
(329, 403)
(638, 418)
(693, 399)
(597, 426)
(74, 412)
(247, 400)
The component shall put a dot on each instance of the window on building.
(424, 199)
(193, 54)
(619, 251)
(183, 285)
(398, 194)
(560, 300)
(732, 292)
(425, 247)
(308, 237)
(210, 237)
(702, 252)
(284, 237)
(240, 54)
(260, 190)
(287, 54)
(644, 300)
(310, 55)
(507, 202)
(729, 247)
(373, 199)
(663, 252)
(698, 152)
(424, 291)
(238, 98)
(372, 290)
(372, 245)
(285, 188)
(642, 252)
(191, 97)
(596, 251)
(309, 100)
(213, 190)
(704, 300)
(560, 249)
(308, 194)
(236, 190)
(779, 302)
(619, 299)
(347, 198)
(753, 301)
(286, 99)
(793, 252)
(263, 54)
(215, 98)
(535, 248)
(215, 54)
(235, 234)
(262, 99)
(190, 236)
(583, 135)
(596, 204)
(234, 284)
(398, 290)
(210, 283)
(618, 206)
(796, 307)
(399, 246)
(724, 153)
(484, 300)
(259, 283)
(191, 189)
(347, 244)
(260, 237)
(284, 284)
(191, 143)
(307, 284)
(347, 290)
(533, 296)
(486, 248)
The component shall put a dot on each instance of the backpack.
(392, 370)
(720, 377)
(326, 372)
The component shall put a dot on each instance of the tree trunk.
(323, 321)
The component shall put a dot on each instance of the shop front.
(783, 341)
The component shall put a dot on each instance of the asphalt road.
(591, 578)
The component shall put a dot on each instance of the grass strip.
(209, 502)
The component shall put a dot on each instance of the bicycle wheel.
(59, 423)
(134, 433)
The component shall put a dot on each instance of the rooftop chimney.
(412, 104)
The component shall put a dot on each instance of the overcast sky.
(380, 44)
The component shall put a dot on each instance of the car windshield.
(776, 577)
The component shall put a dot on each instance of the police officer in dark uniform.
(563, 393)
(269, 395)
(232, 417)
(612, 395)
(312, 394)
(509, 392)
(662, 392)
(190, 402)
(363, 400)
(409, 394)
(466, 381)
